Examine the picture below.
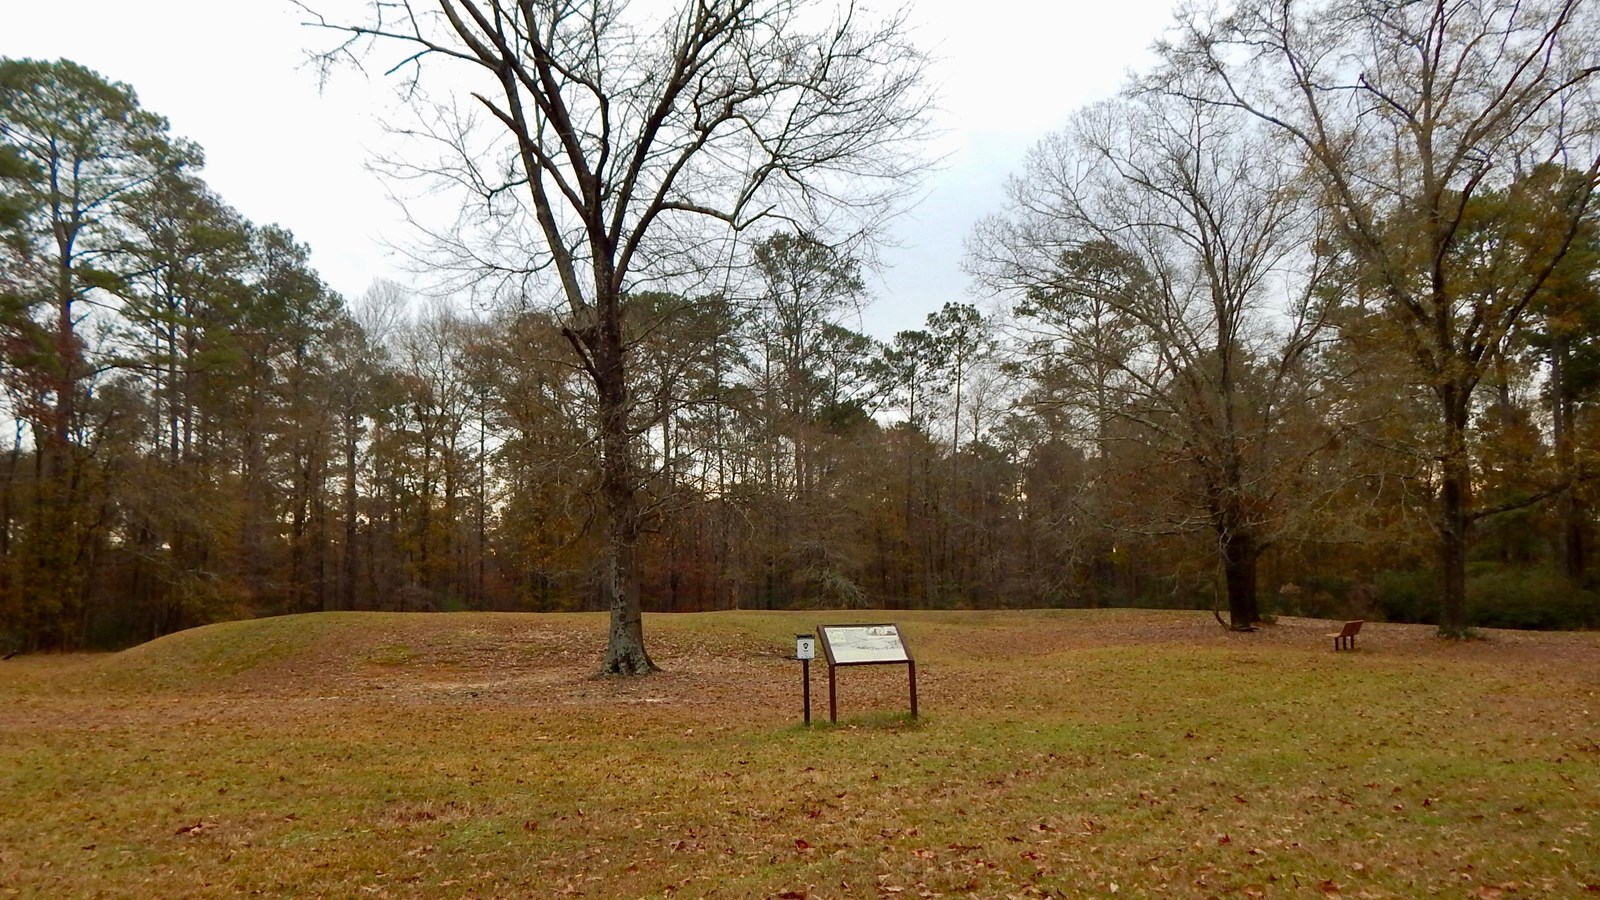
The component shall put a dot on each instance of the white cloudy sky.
(229, 74)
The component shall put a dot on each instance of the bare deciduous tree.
(1157, 248)
(1407, 112)
(622, 149)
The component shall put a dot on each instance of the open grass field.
(1074, 753)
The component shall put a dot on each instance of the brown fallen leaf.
(802, 843)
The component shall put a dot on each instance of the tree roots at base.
(627, 664)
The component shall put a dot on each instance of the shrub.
(1408, 597)
(1498, 596)
(1507, 597)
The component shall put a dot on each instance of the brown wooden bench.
(1346, 636)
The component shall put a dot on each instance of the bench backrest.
(1351, 628)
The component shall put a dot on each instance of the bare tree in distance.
(1407, 112)
(1156, 249)
(621, 152)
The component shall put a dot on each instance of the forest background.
(1227, 401)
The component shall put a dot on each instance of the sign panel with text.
(864, 645)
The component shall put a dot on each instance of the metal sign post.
(805, 650)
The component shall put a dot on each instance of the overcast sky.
(230, 76)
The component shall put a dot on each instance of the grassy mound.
(326, 650)
(201, 658)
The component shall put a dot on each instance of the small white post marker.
(805, 650)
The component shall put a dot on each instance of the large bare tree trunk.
(620, 581)
(1239, 555)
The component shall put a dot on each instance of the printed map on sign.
(864, 643)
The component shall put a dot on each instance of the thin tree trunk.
(349, 563)
(1454, 496)
(483, 503)
(1570, 541)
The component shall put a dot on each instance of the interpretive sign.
(864, 645)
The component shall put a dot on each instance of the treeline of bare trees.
(1306, 321)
